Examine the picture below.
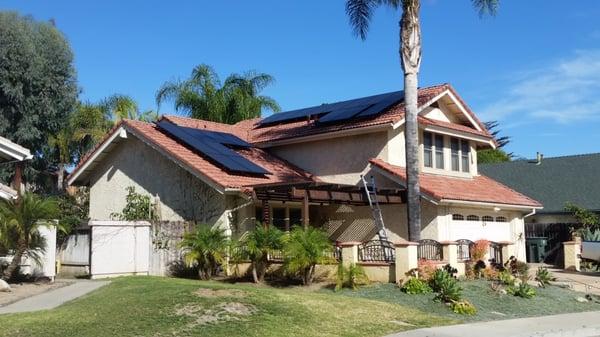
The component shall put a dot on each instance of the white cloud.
(565, 91)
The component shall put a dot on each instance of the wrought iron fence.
(430, 250)
(496, 253)
(463, 247)
(276, 255)
(377, 251)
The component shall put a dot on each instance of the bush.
(180, 269)
(505, 277)
(350, 277)
(415, 286)
(463, 307)
(450, 270)
(517, 268)
(207, 248)
(304, 249)
(257, 245)
(543, 276)
(479, 250)
(445, 286)
(426, 269)
(523, 290)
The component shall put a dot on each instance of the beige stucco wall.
(133, 163)
(338, 160)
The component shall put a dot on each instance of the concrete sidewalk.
(584, 324)
(53, 298)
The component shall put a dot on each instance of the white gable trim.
(7, 193)
(464, 111)
(459, 134)
(14, 151)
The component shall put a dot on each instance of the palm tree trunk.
(410, 54)
(255, 272)
(16, 261)
(60, 180)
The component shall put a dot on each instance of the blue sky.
(535, 67)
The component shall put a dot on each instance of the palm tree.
(360, 13)
(202, 96)
(118, 107)
(207, 247)
(304, 249)
(21, 220)
(259, 243)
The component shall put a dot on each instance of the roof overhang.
(7, 193)
(10, 151)
(479, 204)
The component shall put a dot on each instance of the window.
(279, 219)
(455, 150)
(295, 217)
(458, 217)
(465, 150)
(487, 218)
(258, 215)
(472, 218)
(501, 219)
(439, 151)
(428, 149)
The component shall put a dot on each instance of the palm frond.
(486, 7)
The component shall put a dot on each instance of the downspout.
(533, 211)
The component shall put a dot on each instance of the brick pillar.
(450, 253)
(572, 251)
(349, 252)
(406, 259)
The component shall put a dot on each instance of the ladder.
(371, 192)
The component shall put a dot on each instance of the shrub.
(350, 277)
(479, 249)
(415, 286)
(463, 307)
(490, 273)
(517, 268)
(257, 245)
(450, 270)
(523, 290)
(425, 269)
(445, 286)
(543, 276)
(137, 207)
(206, 247)
(304, 249)
(505, 277)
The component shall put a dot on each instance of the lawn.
(152, 306)
(490, 305)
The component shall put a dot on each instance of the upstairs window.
(465, 151)
(428, 149)
(455, 153)
(439, 152)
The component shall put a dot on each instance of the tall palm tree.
(360, 13)
(118, 107)
(203, 96)
(21, 220)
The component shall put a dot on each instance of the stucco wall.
(338, 160)
(133, 163)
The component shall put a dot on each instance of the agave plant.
(258, 244)
(304, 249)
(207, 248)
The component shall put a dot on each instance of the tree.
(21, 220)
(360, 13)
(202, 96)
(497, 155)
(304, 249)
(118, 107)
(259, 243)
(206, 247)
(38, 88)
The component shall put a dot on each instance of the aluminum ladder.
(371, 192)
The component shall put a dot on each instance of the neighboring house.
(305, 167)
(12, 153)
(554, 182)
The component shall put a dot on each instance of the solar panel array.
(212, 145)
(340, 111)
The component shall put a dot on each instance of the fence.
(377, 251)
(496, 253)
(430, 250)
(463, 247)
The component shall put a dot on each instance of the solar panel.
(210, 144)
(332, 112)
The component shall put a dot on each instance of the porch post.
(349, 252)
(508, 250)
(305, 219)
(572, 252)
(406, 259)
(450, 253)
(266, 213)
(287, 219)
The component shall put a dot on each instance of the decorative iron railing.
(496, 253)
(430, 250)
(377, 251)
(463, 248)
(276, 255)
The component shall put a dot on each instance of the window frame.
(458, 217)
(428, 150)
(473, 217)
(487, 218)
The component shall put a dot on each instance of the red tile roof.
(393, 115)
(478, 189)
(281, 171)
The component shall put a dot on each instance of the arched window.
(458, 217)
(501, 219)
(472, 218)
(487, 218)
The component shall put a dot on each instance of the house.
(305, 167)
(12, 153)
(554, 182)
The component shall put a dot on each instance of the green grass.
(148, 306)
(490, 305)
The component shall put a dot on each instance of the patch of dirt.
(211, 293)
(28, 289)
(219, 313)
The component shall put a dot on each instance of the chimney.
(539, 158)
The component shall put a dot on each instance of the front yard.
(153, 306)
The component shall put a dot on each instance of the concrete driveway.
(585, 324)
